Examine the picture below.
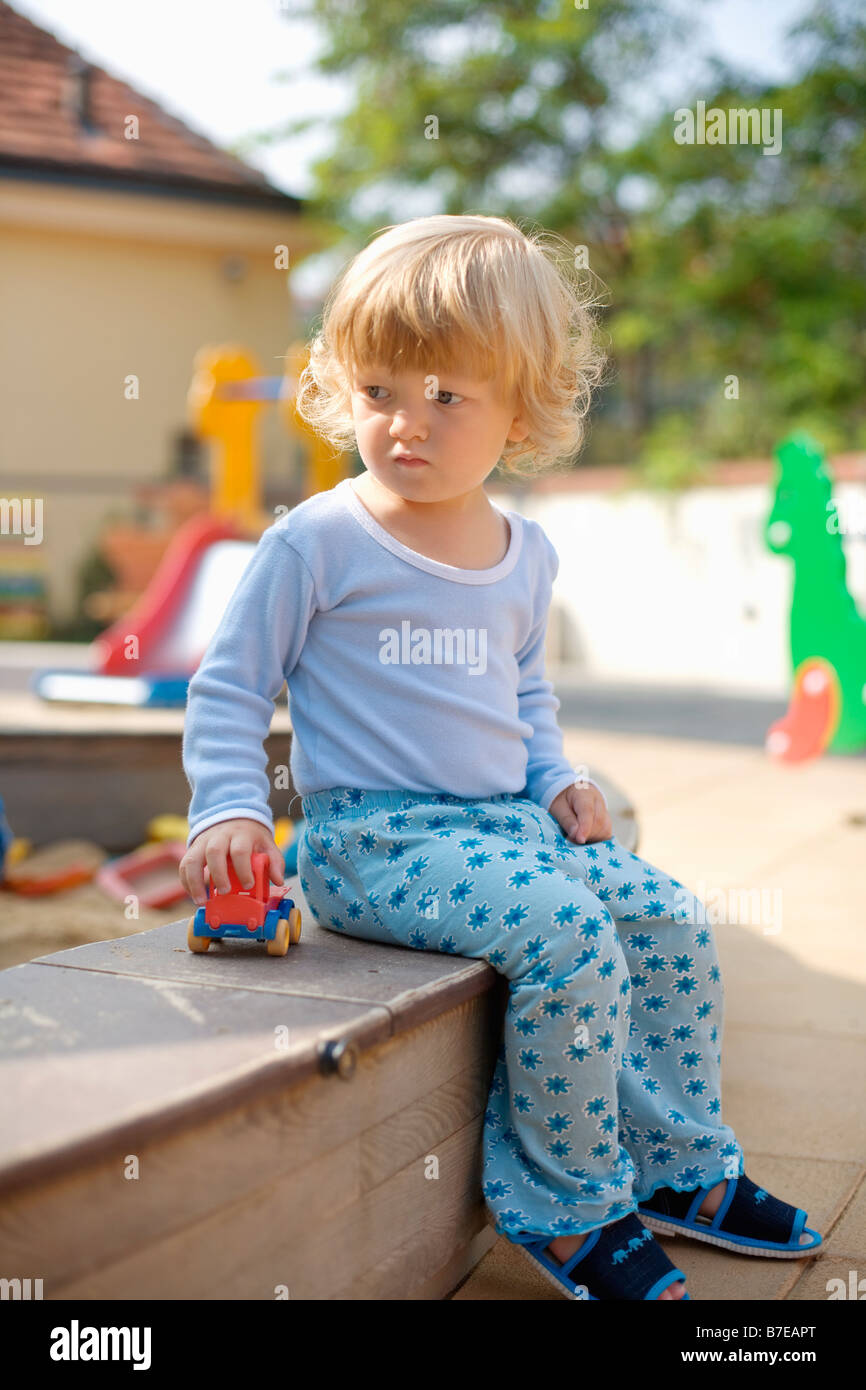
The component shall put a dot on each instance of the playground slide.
(148, 656)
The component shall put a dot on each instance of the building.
(127, 241)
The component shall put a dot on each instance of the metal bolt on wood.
(340, 1056)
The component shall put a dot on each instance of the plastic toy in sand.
(828, 632)
(12, 848)
(168, 827)
(149, 873)
(52, 868)
(253, 914)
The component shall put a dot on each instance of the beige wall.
(96, 286)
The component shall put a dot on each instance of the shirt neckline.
(423, 562)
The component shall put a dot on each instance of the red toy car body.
(244, 906)
(245, 912)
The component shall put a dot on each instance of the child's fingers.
(215, 855)
(566, 814)
(275, 861)
(583, 822)
(192, 877)
(592, 818)
(574, 826)
(277, 865)
(241, 851)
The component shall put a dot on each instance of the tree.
(720, 263)
(752, 266)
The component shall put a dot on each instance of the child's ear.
(519, 430)
(519, 427)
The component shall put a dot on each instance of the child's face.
(459, 430)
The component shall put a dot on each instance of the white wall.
(675, 589)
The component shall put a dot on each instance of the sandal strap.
(625, 1262)
(753, 1212)
(667, 1201)
(745, 1210)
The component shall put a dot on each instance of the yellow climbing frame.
(231, 426)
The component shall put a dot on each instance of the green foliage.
(734, 263)
(670, 457)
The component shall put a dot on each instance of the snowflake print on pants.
(608, 1076)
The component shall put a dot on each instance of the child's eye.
(454, 398)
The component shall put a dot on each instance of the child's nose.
(408, 424)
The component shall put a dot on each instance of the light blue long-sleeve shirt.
(402, 672)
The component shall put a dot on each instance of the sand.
(31, 927)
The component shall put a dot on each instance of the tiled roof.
(64, 118)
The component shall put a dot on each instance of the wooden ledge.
(118, 1042)
(203, 1076)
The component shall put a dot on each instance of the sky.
(214, 63)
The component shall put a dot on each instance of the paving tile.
(848, 1237)
(657, 769)
(712, 810)
(505, 1273)
(795, 1094)
(816, 1283)
(720, 846)
(768, 985)
(824, 902)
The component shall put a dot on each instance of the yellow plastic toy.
(231, 425)
(325, 467)
(168, 827)
(284, 832)
(225, 399)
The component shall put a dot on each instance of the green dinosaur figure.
(826, 625)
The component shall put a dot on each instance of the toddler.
(408, 615)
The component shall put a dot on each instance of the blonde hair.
(467, 293)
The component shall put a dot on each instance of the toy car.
(249, 913)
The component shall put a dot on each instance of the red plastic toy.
(247, 913)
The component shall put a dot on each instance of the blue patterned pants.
(608, 1076)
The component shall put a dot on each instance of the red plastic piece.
(54, 868)
(244, 907)
(150, 873)
(807, 728)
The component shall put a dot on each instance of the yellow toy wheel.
(196, 943)
(294, 925)
(280, 943)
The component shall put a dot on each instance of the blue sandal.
(619, 1261)
(748, 1220)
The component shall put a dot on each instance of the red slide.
(141, 641)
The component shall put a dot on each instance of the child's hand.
(583, 814)
(237, 839)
